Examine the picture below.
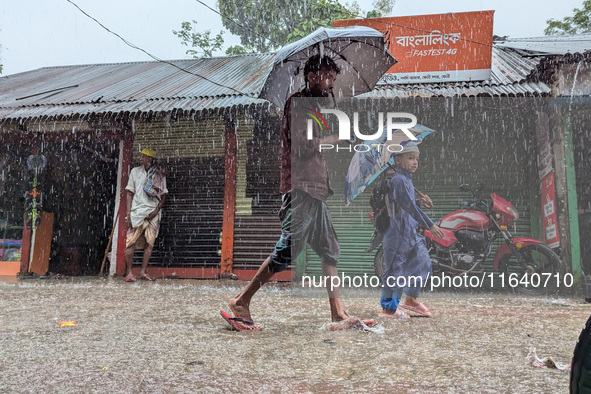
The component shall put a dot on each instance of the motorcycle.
(524, 264)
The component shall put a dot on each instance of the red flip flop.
(239, 323)
(147, 277)
(130, 278)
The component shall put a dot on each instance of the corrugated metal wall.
(582, 144)
(257, 226)
(192, 151)
(183, 138)
(493, 148)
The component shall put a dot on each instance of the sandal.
(147, 277)
(239, 323)
(130, 278)
(416, 311)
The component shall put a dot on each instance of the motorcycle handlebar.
(477, 202)
(479, 205)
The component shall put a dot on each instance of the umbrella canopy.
(369, 162)
(359, 51)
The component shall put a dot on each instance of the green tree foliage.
(203, 42)
(579, 22)
(266, 25)
(381, 8)
(238, 50)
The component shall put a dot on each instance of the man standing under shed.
(146, 192)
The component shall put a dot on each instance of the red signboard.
(435, 48)
(549, 209)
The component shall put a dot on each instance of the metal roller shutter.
(193, 213)
(192, 151)
(257, 227)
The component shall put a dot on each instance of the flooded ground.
(168, 337)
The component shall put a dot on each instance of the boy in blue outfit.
(406, 258)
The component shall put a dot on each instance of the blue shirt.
(405, 252)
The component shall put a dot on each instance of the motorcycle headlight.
(513, 212)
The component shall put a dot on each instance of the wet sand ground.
(168, 337)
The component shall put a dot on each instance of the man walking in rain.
(146, 192)
(304, 214)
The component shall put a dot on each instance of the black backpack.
(379, 203)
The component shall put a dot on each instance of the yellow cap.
(148, 152)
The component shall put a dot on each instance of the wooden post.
(25, 250)
(42, 250)
(122, 231)
(231, 159)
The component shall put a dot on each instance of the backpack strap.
(397, 208)
(387, 199)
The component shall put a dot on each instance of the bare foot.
(340, 317)
(351, 323)
(416, 310)
(344, 316)
(410, 301)
(388, 314)
(240, 324)
(239, 310)
(243, 326)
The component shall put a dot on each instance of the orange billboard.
(435, 48)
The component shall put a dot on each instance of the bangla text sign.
(435, 48)
(549, 209)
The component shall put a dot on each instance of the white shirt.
(142, 205)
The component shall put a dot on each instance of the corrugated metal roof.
(427, 90)
(548, 45)
(509, 73)
(135, 87)
(158, 86)
(83, 109)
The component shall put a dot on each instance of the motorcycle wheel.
(378, 263)
(538, 259)
(580, 373)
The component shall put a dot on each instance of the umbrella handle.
(334, 101)
(353, 139)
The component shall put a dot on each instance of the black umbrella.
(359, 51)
